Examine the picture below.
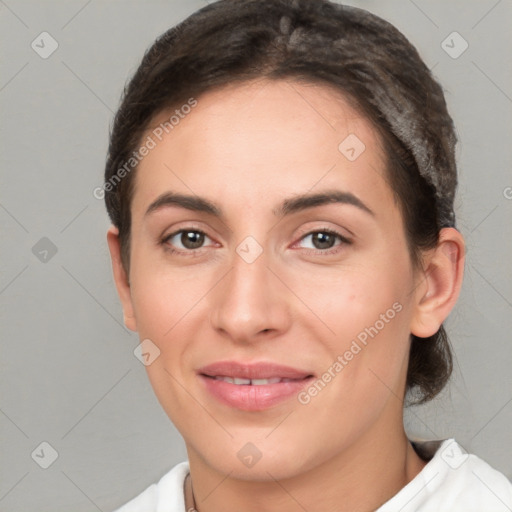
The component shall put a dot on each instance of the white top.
(451, 481)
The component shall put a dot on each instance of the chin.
(249, 463)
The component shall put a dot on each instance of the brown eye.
(324, 239)
(192, 239)
(186, 239)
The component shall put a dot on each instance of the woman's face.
(323, 288)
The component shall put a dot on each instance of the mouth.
(253, 387)
(250, 382)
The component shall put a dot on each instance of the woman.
(280, 180)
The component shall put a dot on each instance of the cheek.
(367, 310)
(165, 304)
(154, 306)
(350, 300)
(161, 296)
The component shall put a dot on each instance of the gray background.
(68, 373)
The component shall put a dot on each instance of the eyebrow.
(287, 207)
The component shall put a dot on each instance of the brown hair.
(313, 41)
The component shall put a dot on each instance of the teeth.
(260, 382)
(252, 382)
(241, 381)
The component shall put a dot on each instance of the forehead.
(262, 137)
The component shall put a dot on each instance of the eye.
(324, 239)
(190, 240)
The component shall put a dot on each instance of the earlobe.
(120, 278)
(442, 280)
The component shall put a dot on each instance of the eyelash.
(331, 250)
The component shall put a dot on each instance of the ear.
(120, 278)
(438, 286)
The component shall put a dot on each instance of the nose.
(251, 302)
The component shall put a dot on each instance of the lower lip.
(253, 398)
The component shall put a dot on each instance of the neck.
(359, 479)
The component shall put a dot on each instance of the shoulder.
(166, 494)
(453, 480)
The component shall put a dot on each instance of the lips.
(252, 387)
(251, 382)
(252, 371)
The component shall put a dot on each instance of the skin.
(247, 148)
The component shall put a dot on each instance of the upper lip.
(262, 370)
